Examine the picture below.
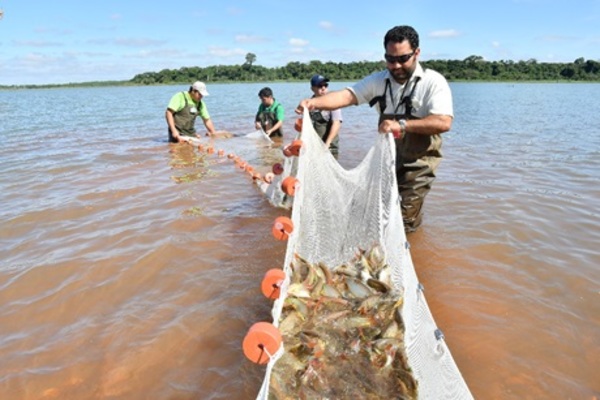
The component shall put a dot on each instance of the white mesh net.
(335, 212)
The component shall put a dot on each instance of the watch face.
(402, 124)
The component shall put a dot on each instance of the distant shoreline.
(471, 69)
(128, 83)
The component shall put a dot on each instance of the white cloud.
(36, 58)
(249, 39)
(36, 43)
(557, 38)
(328, 26)
(160, 54)
(134, 42)
(298, 42)
(223, 52)
(444, 34)
(58, 31)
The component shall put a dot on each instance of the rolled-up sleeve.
(369, 87)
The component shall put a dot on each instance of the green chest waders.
(323, 128)
(267, 120)
(417, 157)
(185, 120)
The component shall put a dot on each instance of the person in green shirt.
(270, 114)
(182, 111)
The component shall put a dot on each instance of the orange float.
(272, 282)
(282, 228)
(286, 151)
(221, 153)
(256, 176)
(231, 156)
(277, 169)
(295, 147)
(298, 125)
(261, 342)
(289, 185)
(201, 147)
(210, 150)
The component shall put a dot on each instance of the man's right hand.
(306, 103)
(180, 138)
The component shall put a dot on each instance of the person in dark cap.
(415, 104)
(327, 123)
(270, 114)
(182, 111)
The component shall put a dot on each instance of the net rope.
(337, 211)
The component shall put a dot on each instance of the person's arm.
(280, 115)
(209, 127)
(430, 125)
(330, 101)
(333, 132)
(257, 123)
(277, 125)
(171, 123)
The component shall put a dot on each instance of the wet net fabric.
(337, 211)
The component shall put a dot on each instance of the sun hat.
(200, 87)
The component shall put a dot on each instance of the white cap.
(200, 87)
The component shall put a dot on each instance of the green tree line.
(473, 68)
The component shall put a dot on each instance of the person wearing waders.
(182, 111)
(326, 123)
(415, 104)
(270, 114)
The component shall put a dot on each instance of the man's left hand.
(387, 126)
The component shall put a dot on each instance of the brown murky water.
(130, 268)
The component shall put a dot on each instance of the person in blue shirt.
(327, 123)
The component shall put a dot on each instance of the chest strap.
(406, 100)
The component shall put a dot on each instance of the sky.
(62, 41)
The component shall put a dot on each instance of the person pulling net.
(336, 216)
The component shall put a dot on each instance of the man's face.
(401, 60)
(267, 101)
(195, 95)
(320, 90)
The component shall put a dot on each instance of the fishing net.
(336, 212)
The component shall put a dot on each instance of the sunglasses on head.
(398, 59)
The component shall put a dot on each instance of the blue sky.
(64, 41)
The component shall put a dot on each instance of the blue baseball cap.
(317, 80)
